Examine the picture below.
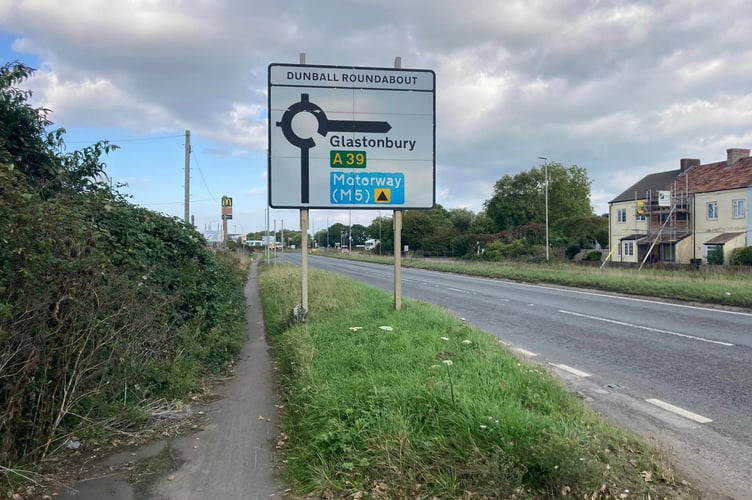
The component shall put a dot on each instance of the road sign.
(358, 137)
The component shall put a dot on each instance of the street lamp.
(327, 233)
(545, 166)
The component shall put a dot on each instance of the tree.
(382, 229)
(428, 230)
(520, 199)
(483, 224)
(582, 231)
(462, 219)
(39, 155)
(359, 234)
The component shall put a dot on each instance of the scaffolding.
(668, 223)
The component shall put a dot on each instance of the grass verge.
(417, 404)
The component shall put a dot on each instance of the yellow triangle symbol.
(383, 195)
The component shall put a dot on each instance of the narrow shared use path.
(231, 456)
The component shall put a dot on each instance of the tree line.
(511, 224)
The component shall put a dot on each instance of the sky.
(621, 88)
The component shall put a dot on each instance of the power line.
(174, 202)
(135, 139)
(202, 175)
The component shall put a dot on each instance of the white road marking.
(679, 411)
(457, 290)
(525, 353)
(573, 371)
(650, 329)
(608, 295)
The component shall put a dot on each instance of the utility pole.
(545, 166)
(187, 177)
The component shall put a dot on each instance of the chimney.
(733, 155)
(687, 163)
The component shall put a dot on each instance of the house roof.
(652, 182)
(635, 236)
(716, 177)
(723, 238)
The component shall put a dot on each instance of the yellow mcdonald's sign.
(226, 201)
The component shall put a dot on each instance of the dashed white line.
(573, 371)
(679, 411)
(525, 353)
(650, 329)
(457, 290)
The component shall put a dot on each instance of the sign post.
(226, 215)
(347, 137)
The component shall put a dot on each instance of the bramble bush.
(104, 306)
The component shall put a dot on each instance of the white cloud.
(622, 88)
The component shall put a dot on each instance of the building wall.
(618, 230)
(706, 229)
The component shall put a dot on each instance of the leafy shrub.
(571, 251)
(594, 256)
(460, 246)
(497, 250)
(715, 256)
(741, 256)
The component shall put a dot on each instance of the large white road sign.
(351, 137)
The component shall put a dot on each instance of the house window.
(618, 249)
(628, 249)
(621, 215)
(712, 210)
(737, 209)
(640, 217)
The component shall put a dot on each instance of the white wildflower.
(448, 362)
(444, 338)
(386, 328)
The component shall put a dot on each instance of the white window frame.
(737, 209)
(640, 217)
(711, 210)
(621, 215)
(618, 250)
(629, 248)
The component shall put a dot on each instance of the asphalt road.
(678, 374)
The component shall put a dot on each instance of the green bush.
(715, 256)
(571, 251)
(741, 256)
(497, 250)
(594, 256)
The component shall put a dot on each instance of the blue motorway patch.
(366, 188)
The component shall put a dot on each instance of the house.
(680, 215)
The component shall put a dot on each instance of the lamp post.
(545, 167)
(327, 233)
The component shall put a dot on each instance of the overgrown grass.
(713, 286)
(415, 403)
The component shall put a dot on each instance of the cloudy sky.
(622, 88)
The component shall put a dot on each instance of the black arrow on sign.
(324, 127)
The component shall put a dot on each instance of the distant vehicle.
(371, 244)
(345, 250)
